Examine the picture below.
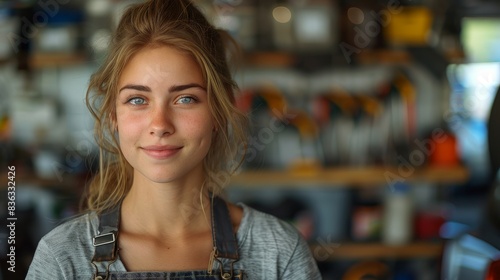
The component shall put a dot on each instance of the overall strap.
(224, 239)
(105, 241)
(222, 231)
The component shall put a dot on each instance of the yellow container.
(409, 26)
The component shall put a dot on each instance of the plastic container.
(397, 223)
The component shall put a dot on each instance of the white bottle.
(397, 227)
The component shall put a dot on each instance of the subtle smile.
(161, 152)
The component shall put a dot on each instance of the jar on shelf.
(397, 224)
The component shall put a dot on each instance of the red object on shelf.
(445, 152)
(493, 271)
(244, 100)
(427, 225)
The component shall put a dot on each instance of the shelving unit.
(352, 177)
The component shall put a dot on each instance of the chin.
(160, 177)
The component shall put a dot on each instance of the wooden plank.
(349, 176)
(340, 251)
(57, 60)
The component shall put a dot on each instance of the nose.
(161, 122)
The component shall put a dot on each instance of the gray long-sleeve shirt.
(269, 249)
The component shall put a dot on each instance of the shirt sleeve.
(302, 265)
(44, 264)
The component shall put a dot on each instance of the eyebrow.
(136, 87)
(184, 87)
(174, 88)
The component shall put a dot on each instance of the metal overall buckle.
(99, 240)
(225, 275)
(96, 274)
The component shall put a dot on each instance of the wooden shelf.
(67, 183)
(385, 56)
(270, 59)
(327, 178)
(348, 176)
(340, 251)
(44, 60)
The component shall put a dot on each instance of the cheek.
(199, 126)
(127, 126)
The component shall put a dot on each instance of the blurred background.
(369, 122)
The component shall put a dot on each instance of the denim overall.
(224, 241)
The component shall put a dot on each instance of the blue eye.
(137, 101)
(186, 100)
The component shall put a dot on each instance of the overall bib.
(224, 243)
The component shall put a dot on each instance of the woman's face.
(164, 123)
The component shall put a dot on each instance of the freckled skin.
(149, 112)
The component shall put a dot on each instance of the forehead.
(159, 65)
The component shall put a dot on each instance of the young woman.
(169, 136)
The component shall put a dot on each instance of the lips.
(161, 152)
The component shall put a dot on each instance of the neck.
(169, 210)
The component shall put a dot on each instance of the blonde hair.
(178, 24)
